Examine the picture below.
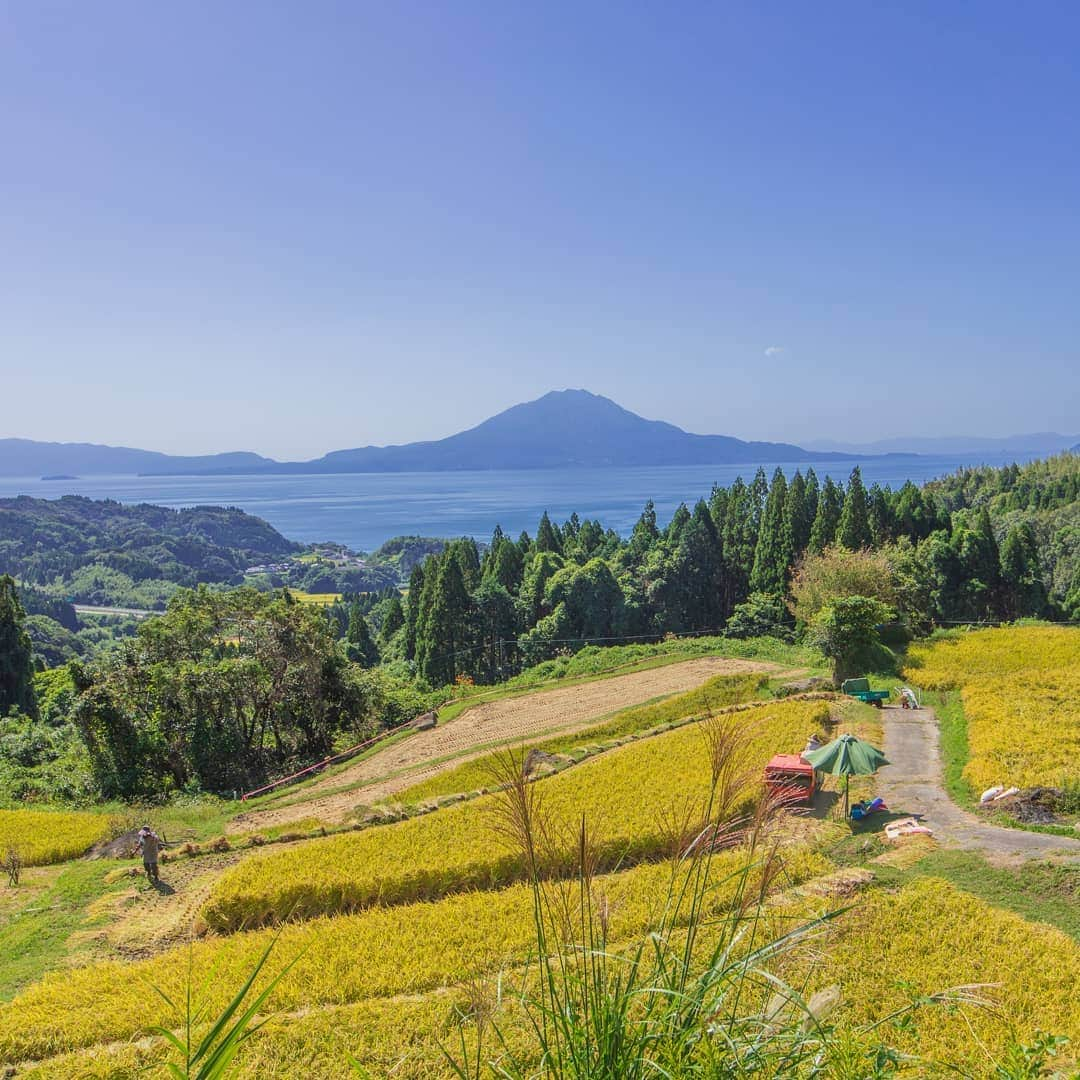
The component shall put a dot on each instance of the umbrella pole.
(847, 786)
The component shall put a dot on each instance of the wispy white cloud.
(775, 350)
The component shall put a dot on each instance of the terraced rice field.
(41, 837)
(504, 721)
(410, 935)
(1020, 686)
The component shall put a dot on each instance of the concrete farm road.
(913, 784)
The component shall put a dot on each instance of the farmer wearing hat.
(150, 845)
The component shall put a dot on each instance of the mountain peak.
(571, 398)
(560, 429)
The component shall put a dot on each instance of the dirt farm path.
(547, 712)
(912, 784)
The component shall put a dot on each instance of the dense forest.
(219, 692)
(102, 553)
(984, 544)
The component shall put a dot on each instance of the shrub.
(846, 632)
(760, 615)
(836, 573)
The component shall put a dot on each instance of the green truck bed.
(860, 688)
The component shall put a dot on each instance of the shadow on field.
(824, 807)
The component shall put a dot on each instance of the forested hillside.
(103, 552)
(982, 545)
(1038, 502)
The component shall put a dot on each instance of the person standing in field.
(150, 845)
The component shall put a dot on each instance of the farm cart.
(860, 688)
(791, 780)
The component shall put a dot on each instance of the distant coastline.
(362, 510)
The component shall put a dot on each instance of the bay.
(363, 510)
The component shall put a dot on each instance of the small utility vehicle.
(860, 688)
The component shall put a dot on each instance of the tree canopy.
(16, 653)
(216, 693)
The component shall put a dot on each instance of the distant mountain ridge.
(564, 428)
(27, 457)
(1039, 444)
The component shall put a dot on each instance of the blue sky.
(298, 227)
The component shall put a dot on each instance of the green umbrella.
(847, 756)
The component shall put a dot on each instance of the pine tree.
(590, 541)
(645, 531)
(496, 622)
(497, 537)
(769, 572)
(914, 515)
(444, 639)
(359, 644)
(978, 567)
(696, 580)
(540, 569)
(854, 528)
(718, 507)
(738, 556)
(467, 555)
(547, 538)
(1024, 592)
(758, 493)
(827, 518)
(881, 518)
(393, 619)
(504, 566)
(412, 610)
(679, 520)
(813, 492)
(16, 654)
(425, 646)
(797, 522)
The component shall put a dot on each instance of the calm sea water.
(364, 509)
